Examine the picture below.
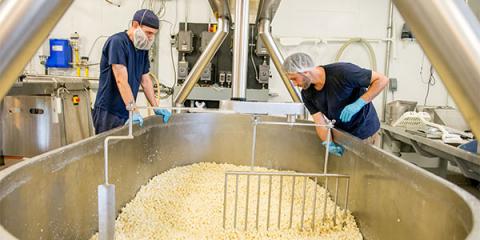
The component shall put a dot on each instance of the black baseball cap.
(146, 17)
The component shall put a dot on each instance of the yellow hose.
(77, 62)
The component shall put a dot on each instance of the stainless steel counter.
(469, 163)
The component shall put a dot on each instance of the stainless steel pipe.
(203, 60)
(267, 9)
(449, 34)
(240, 51)
(25, 26)
(388, 53)
(276, 56)
(220, 8)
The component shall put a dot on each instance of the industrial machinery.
(65, 54)
(44, 113)
(215, 83)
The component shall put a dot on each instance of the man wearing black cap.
(123, 68)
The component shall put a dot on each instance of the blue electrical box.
(60, 54)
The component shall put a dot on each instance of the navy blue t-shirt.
(344, 84)
(119, 49)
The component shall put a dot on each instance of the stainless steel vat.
(53, 196)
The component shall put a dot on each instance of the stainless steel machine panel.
(42, 198)
(30, 126)
(77, 116)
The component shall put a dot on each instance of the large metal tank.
(53, 196)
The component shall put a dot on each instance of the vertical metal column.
(240, 51)
(388, 54)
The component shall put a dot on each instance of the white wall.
(295, 18)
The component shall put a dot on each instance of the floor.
(9, 161)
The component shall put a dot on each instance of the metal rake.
(273, 188)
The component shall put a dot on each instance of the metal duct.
(25, 26)
(267, 9)
(220, 8)
(449, 34)
(277, 58)
(203, 60)
(240, 51)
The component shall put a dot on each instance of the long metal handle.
(189, 109)
(449, 33)
(203, 60)
(109, 138)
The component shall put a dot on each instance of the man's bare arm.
(147, 86)
(121, 78)
(377, 84)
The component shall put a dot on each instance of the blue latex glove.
(163, 112)
(352, 109)
(334, 148)
(137, 119)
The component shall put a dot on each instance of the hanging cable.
(159, 8)
(111, 2)
(431, 82)
(171, 54)
(94, 43)
(251, 55)
(421, 70)
(156, 6)
(161, 88)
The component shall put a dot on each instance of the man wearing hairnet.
(340, 91)
(123, 68)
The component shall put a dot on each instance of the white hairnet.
(298, 62)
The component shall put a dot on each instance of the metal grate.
(248, 209)
(272, 189)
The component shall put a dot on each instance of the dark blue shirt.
(344, 84)
(119, 49)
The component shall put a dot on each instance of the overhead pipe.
(276, 56)
(220, 8)
(449, 34)
(25, 26)
(206, 56)
(267, 9)
(240, 51)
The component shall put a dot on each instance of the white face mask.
(140, 40)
